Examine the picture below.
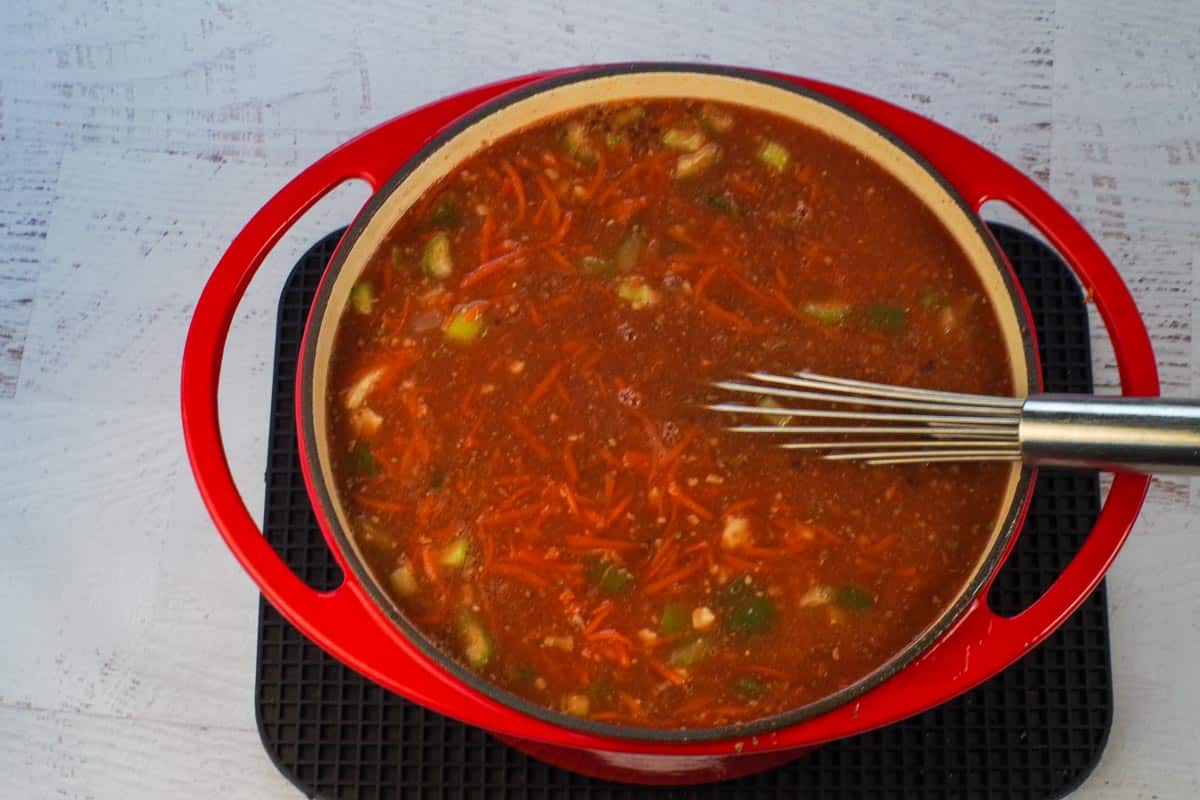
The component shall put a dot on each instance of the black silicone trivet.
(1034, 731)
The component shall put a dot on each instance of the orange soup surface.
(520, 444)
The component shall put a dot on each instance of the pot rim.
(321, 493)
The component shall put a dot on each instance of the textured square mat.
(1034, 731)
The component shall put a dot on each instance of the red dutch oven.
(359, 625)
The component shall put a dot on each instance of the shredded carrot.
(610, 484)
(680, 234)
(703, 281)
(734, 321)
(618, 510)
(485, 238)
(404, 318)
(768, 672)
(544, 385)
(551, 200)
(430, 565)
(569, 496)
(561, 233)
(518, 188)
(569, 464)
(530, 440)
(519, 573)
(609, 635)
(490, 268)
(667, 581)
(598, 615)
(688, 503)
(534, 316)
(468, 442)
(558, 258)
(623, 210)
(598, 178)
(580, 542)
(674, 676)
(380, 505)
(741, 564)
(508, 517)
(740, 505)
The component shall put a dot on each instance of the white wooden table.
(137, 136)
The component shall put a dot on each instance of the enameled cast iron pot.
(360, 626)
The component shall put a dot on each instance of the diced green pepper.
(446, 213)
(362, 297)
(691, 165)
(888, 319)
(830, 312)
(601, 690)
(476, 643)
(466, 323)
(629, 253)
(437, 262)
(754, 614)
(854, 598)
(403, 580)
(608, 577)
(576, 144)
(689, 654)
(676, 619)
(362, 461)
(455, 553)
(613, 140)
(931, 300)
(595, 265)
(722, 202)
(774, 155)
(635, 291)
(735, 591)
(749, 688)
(680, 139)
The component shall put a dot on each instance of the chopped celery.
(717, 120)
(446, 213)
(689, 654)
(626, 117)
(437, 261)
(830, 312)
(595, 265)
(676, 619)
(690, 165)
(476, 643)
(771, 402)
(722, 202)
(466, 323)
(455, 553)
(610, 578)
(774, 155)
(854, 598)
(889, 319)
(629, 253)
(635, 291)
(680, 139)
(576, 144)
(362, 297)
(362, 461)
(403, 580)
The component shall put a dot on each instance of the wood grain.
(137, 137)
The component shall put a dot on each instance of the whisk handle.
(1118, 434)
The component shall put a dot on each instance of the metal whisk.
(849, 420)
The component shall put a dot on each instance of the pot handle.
(994, 642)
(339, 619)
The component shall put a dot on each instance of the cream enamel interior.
(668, 84)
